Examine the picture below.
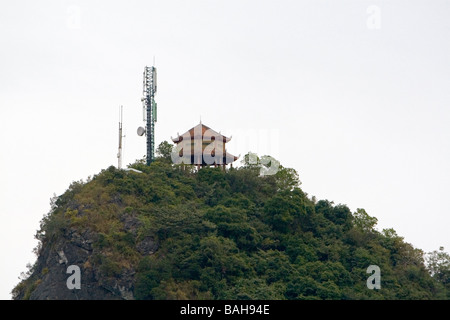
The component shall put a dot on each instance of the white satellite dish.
(140, 131)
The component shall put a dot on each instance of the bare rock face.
(147, 246)
(52, 266)
(51, 278)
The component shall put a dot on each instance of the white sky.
(352, 94)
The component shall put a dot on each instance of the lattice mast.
(149, 110)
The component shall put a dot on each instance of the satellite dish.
(140, 131)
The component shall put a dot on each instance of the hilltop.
(168, 233)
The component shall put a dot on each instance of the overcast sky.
(354, 95)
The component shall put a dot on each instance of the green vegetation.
(235, 235)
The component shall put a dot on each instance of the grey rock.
(147, 246)
(62, 257)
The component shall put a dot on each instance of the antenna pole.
(119, 154)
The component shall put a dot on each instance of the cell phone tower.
(149, 111)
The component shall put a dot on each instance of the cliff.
(168, 233)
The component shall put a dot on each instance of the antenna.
(149, 110)
(119, 154)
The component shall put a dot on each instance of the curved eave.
(230, 158)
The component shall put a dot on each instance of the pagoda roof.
(199, 128)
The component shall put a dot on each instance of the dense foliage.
(238, 235)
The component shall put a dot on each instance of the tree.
(251, 160)
(164, 150)
(287, 179)
(439, 265)
(242, 233)
(363, 221)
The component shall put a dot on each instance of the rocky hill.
(168, 233)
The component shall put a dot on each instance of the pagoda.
(202, 146)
